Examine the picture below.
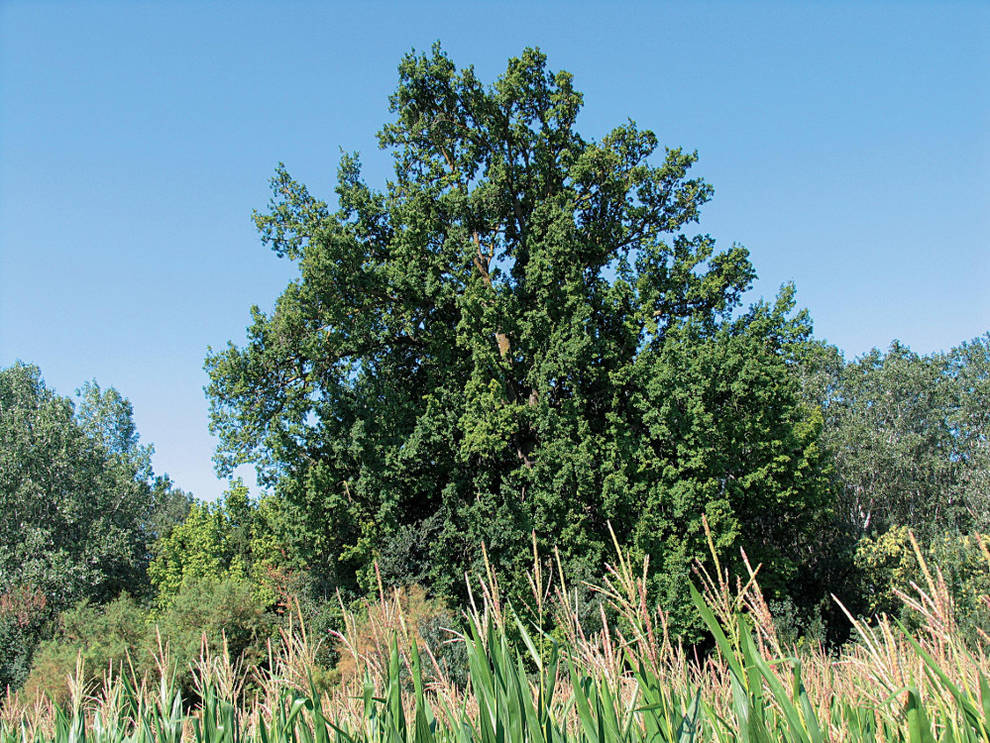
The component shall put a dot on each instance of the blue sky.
(848, 143)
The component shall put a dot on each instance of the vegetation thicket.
(520, 345)
(627, 681)
(81, 508)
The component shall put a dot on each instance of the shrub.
(112, 636)
(218, 609)
(24, 613)
(123, 635)
(888, 565)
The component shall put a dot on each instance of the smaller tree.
(721, 433)
(234, 539)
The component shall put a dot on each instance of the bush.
(112, 636)
(217, 609)
(888, 564)
(24, 613)
(798, 627)
(125, 635)
(965, 569)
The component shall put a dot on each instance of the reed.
(627, 682)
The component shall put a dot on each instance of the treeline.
(103, 558)
(80, 509)
(518, 344)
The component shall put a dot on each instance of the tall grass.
(627, 682)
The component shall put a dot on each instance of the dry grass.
(874, 689)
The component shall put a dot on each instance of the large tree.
(518, 334)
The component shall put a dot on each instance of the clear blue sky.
(848, 143)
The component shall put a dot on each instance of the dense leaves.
(519, 334)
(908, 435)
(79, 506)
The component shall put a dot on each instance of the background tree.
(233, 539)
(494, 344)
(79, 509)
(968, 366)
(107, 417)
(907, 434)
(907, 438)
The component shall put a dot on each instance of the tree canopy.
(519, 333)
(907, 434)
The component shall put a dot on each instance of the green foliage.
(800, 627)
(72, 510)
(197, 548)
(967, 572)
(718, 432)
(222, 550)
(908, 436)
(518, 335)
(888, 564)
(219, 610)
(172, 506)
(968, 366)
(231, 539)
(24, 615)
(79, 505)
(116, 636)
(124, 635)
